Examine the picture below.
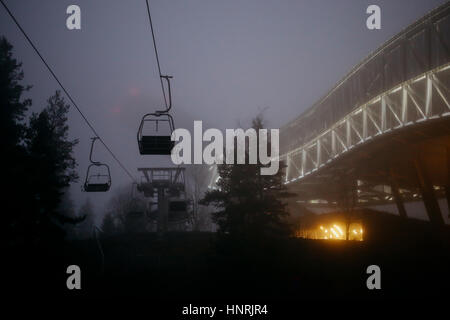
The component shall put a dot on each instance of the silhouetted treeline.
(38, 159)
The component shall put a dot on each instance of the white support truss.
(414, 101)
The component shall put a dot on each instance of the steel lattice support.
(412, 102)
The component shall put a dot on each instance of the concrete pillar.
(162, 211)
(428, 195)
(397, 196)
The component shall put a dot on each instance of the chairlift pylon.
(100, 182)
(178, 207)
(146, 188)
(134, 208)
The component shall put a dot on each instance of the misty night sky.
(230, 59)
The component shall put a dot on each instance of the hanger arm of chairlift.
(92, 148)
(170, 95)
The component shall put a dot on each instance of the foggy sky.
(230, 59)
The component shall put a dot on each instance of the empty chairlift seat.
(146, 188)
(178, 210)
(178, 206)
(153, 144)
(98, 175)
(97, 182)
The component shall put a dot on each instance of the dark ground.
(185, 268)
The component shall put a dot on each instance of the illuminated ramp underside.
(411, 103)
(382, 134)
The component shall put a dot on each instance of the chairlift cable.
(65, 91)
(156, 53)
(157, 144)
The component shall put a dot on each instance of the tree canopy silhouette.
(51, 154)
(14, 106)
(249, 205)
(39, 157)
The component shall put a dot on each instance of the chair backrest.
(97, 186)
(155, 144)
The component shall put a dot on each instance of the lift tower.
(168, 187)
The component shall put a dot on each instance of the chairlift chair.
(97, 182)
(147, 189)
(136, 211)
(93, 182)
(178, 205)
(152, 210)
(138, 206)
(157, 144)
(178, 210)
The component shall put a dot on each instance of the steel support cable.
(65, 91)
(156, 53)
